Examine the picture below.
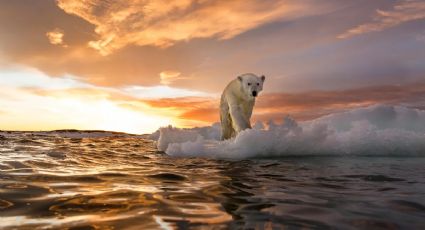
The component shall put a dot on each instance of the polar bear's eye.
(249, 83)
(258, 83)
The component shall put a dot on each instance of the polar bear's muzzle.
(254, 93)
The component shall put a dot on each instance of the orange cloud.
(405, 11)
(183, 102)
(82, 93)
(56, 37)
(167, 77)
(162, 23)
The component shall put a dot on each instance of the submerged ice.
(380, 130)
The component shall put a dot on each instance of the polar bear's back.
(232, 89)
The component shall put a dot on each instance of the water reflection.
(53, 181)
(124, 183)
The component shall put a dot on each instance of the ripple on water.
(168, 177)
(18, 165)
(5, 204)
(375, 178)
(56, 154)
(14, 191)
(407, 206)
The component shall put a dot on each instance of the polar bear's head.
(251, 84)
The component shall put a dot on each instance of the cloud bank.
(163, 23)
(292, 42)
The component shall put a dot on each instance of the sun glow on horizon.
(75, 113)
(30, 100)
(116, 118)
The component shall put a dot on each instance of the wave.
(379, 130)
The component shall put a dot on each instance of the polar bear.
(237, 102)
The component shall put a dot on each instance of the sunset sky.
(136, 65)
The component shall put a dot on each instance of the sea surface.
(50, 181)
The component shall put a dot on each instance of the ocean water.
(85, 181)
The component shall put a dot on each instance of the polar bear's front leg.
(226, 123)
(240, 122)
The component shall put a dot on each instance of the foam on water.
(379, 130)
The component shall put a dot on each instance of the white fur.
(237, 102)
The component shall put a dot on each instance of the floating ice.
(379, 130)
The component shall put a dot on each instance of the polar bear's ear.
(263, 78)
(240, 78)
